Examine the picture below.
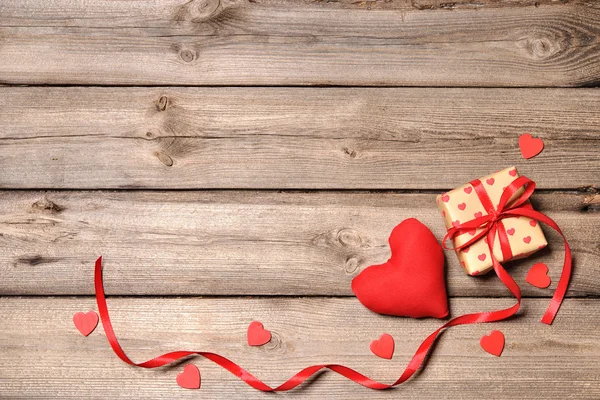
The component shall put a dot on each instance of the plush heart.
(538, 276)
(257, 334)
(85, 322)
(530, 146)
(493, 343)
(383, 347)
(411, 283)
(189, 378)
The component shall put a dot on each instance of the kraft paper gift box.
(462, 204)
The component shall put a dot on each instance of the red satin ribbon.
(417, 360)
(492, 223)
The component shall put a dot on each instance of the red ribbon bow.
(491, 223)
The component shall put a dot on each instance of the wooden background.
(244, 159)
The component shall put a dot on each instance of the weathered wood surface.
(238, 42)
(247, 242)
(409, 138)
(43, 356)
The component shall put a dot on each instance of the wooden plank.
(376, 138)
(237, 243)
(42, 355)
(212, 42)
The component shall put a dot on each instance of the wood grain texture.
(238, 42)
(42, 355)
(360, 138)
(238, 243)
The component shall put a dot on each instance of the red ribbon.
(492, 224)
(488, 222)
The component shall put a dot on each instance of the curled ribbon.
(488, 222)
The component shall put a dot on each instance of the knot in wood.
(164, 158)
(187, 55)
(351, 265)
(349, 238)
(46, 205)
(543, 47)
(163, 103)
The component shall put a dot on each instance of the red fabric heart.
(257, 334)
(189, 378)
(538, 276)
(85, 323)
(383, 347)
(530, 146)
(493, 343)
(411, 283)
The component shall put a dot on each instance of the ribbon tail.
(565, 276)
(305, 374)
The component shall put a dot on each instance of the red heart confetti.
(468, 189)
(462, 206)
(383, 347)
(527, 239)
(257, 334)
(85, 322)
(490, 181)
(510, 231)
(189, 378)
(530, 146)
(538, 276)
(493, 343)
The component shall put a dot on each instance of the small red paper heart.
(538, 276)
(533, 222)
(468, 189)
(478, 214)
(527, 239)
(257, 334)
(512, 172)
(493, 343)
(462, 206)
(445, 198)
(510, 231)
(411, 283)
(85, 323)
(530, 146)
(189, 378)
(481, 257)
(383, 347)
(490, 181)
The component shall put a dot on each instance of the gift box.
(465, 203)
